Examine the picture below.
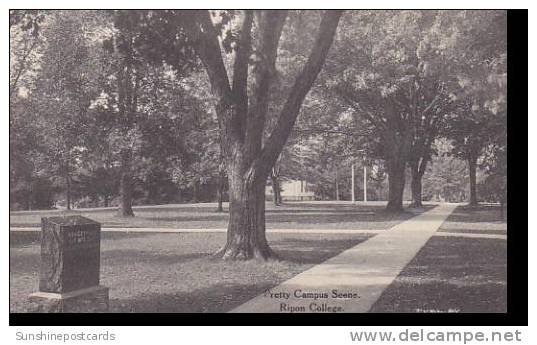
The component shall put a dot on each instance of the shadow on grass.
(306, 217)
(170, 273)
(314, 211)
(328, 206)
(290, 250)
(474, 231)
(189, 218)
(304, 251)
(124, 256)
(307, 213)
(221, 297)
(29, 238)
(110, 235)
(113, 210)
(476, 214)
(451, 274)
(217, 298)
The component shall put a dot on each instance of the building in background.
(293, 190)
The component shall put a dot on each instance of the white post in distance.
(352, 186)
(365, 182)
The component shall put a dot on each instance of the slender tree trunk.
(275, 189)
(68, 191)
(220, 207)
(246, 229)
(396, 185)
(472, 165)
(274, 192)
(125, 196)
(125, 187)
(220, 192)
(195, 192)
(106, 201)
(336, 182)
(416, 191)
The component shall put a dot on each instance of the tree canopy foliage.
(124, 107)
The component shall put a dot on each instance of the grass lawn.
(175, 272)
(291, 215)
(484, 219)
(455, 274)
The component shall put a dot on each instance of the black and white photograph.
(260, 161)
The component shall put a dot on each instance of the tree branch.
(240, 67)
(351, 100)
(204, 36)
(270, 28)
(22, 66)
(303, 83)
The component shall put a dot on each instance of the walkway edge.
(353, 280)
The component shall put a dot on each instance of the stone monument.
(70, 267)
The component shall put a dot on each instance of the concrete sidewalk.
(353, 280)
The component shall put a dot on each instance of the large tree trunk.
(125, 187)
(246, 229)
(397, 138)
(396, 185)
(398, 143)
(472, 166)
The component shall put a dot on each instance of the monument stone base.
(89, 300)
